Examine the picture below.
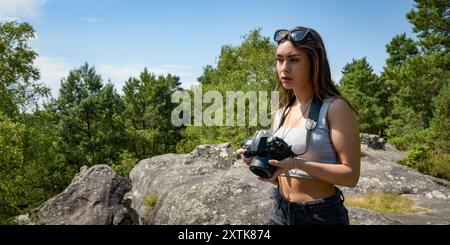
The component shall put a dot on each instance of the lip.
(286, 79)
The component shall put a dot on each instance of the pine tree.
(246, 67)
(148, 113)
(431, 22)
(90, 124)
(363, 89)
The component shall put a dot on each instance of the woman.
(306, 192)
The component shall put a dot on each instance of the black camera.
(263, 147)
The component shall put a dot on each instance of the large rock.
(95, 197)
(206, 186)
(381, 173)
(361, 216)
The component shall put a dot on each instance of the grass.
(384, 203)
(150, 202)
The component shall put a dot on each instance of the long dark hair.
(323, 86)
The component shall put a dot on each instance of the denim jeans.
(324, 211)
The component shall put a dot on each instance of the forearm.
(338, 174)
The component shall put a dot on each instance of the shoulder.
(339, 105)
(340, 112)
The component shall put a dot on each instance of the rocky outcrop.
(361, 216)
(381, 173)
(206, 186)
(95, 197)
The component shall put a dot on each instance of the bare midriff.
(297, 189)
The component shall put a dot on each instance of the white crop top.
(320, 148)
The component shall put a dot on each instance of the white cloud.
(8, 18)
(119, 74)
(53, 69)
(14, 9)
(122, 72)
(90, 20)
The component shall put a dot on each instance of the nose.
(284, 67)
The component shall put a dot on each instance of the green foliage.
(31, 168)
(415, 89)
(196, 135)
(408, 140)
(150, 201)
(431, 22)
(416, 155)
(79, 85)
(147, 142)
(400, 49)
(243, 67)
(12, 181)
(437, 165)
(91, 127)
(246, 67)
(363, 89)
(440, 124)
(45, 169)
(126, 164)
(419, 113)
(18, 87)
(421, 158)
(148, 109)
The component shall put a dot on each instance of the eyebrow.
(289, 56)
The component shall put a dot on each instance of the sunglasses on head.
(297, 34)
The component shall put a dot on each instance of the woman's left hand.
(282, 167)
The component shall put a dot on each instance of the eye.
(295, 60)
(279, 60)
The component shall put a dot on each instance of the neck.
(304, 94)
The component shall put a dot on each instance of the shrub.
(127, 162)
(416, 155)
(438, 165)
(150, 202)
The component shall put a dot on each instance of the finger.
(276, 174)
(240, 151)
(280, 163)
(274, 162)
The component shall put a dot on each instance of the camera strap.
(311, 122)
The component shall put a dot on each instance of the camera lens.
(261, 167)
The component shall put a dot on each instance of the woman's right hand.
(247, 160)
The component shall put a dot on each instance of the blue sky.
(181, 37)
